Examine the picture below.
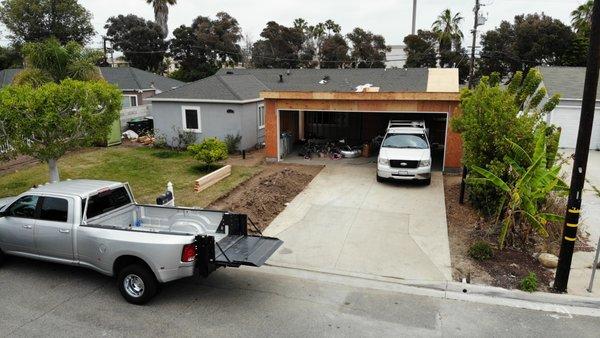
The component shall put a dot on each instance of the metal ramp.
(237, 250)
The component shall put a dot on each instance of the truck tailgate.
(236, 250)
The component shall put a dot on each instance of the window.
(191, 119)
(261, 116)
(129, 101)
(405, 141)
(54, 209)
(23, 207)
(106, 201)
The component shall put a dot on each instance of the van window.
(106, 201)
(54, 209)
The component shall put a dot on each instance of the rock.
(514, 265)
(548, 260)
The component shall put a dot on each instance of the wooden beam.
(362, 96)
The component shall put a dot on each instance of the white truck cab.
(405, 152)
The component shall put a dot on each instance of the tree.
(492, 114)
(530, 41)
(57, 103)
(205, 47)
(10, 58)
(279, 47)
(141, 41)
(368, 49)
(581, 18)
(420, 50)
(47, 121)
(161, 14)
(50, 62)
(38, 20)
(447, 29)
(334, 52)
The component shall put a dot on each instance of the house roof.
(246, 84)
(566, 81)
(126, 78)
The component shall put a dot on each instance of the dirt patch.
(266, 194)
(463, 221)
(465, 227)
(508, 267)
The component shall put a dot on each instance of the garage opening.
(354, 129)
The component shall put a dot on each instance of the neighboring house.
(568, 82)
(137, 86)
(262, 104)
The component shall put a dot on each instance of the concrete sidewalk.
(589, 223)
(345, 222)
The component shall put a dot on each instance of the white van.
(405, 152)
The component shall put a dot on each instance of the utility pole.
(463, 184)
(581, 155)
(414, 22)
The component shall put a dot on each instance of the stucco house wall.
(215, 121)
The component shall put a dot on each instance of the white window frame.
(130, 96)
(259, 112)
(184, 120)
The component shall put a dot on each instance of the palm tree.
(161, 13)
(581, 18)
(447, 29)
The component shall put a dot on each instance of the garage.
(293, 118)
(567, 118)
(353, 130)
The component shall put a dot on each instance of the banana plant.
(530, 181)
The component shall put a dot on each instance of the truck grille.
(404, 164)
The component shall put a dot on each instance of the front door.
(17, 225)
(54, 228)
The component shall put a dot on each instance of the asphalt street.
(43, 299)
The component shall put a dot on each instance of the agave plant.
(531, 180)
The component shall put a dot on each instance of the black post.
(581, 155)
(463, 184)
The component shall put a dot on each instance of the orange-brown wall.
(453, 140)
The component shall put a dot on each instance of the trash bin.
(142, 126)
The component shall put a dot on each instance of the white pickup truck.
(98, 225)
(405, 152)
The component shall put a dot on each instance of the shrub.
(182, 139)
(210, 151)
(233, 143)
(492, 114)
(481, 251)
(529, 283)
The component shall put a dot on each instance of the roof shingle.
(566, 81)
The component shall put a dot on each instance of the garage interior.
(356, 128)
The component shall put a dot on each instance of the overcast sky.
(391, 18)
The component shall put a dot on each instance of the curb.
(561, 304)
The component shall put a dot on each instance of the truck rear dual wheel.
(137, 284)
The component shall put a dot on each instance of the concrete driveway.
(345, 222)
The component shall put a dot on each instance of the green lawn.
(147, 170)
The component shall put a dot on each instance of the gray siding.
(214, 119)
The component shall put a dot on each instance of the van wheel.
(2, 258)
(427, 181)
(137, 284)
(379, 179)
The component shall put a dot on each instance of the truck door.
(54, 228)
(16, 227)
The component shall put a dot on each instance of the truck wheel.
(427, 181)
(137, 284)
(2, 257)
(379, 179)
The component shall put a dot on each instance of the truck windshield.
(405, 141)
(106, 201)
